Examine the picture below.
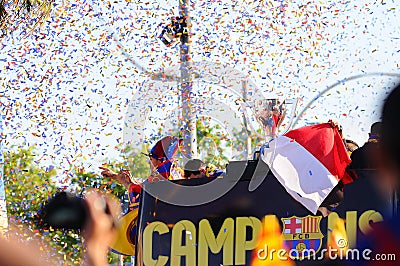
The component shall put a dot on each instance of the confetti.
(69, 88)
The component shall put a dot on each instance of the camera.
(177, 28)
(64, 211)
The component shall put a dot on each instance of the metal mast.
(3, 209)
(188, 123)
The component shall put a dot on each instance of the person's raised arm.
(124, 177)
(100, 230)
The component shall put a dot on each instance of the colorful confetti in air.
(67, 88)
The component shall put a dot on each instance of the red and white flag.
(308, 162)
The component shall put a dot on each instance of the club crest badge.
(302, 235)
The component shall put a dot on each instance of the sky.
(74, 86)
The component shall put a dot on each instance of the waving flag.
(308, 162)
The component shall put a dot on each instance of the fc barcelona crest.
(302, 235)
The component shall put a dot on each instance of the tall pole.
(188, 123)
(246, 126)
(3, 209)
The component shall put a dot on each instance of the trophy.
(269, 118)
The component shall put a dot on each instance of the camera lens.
(65, 211)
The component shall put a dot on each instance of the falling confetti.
(67, 87)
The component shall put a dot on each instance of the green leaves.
(212, 143)
(27, 187)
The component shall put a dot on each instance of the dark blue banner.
(224, 230)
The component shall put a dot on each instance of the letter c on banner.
(366, 218)
(161, 228)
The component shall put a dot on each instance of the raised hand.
(107, 173)
(124, 177)
(100, 230)
(335, 124)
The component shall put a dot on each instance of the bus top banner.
(224, 231)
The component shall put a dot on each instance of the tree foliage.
(212, 143)
(27, 187)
